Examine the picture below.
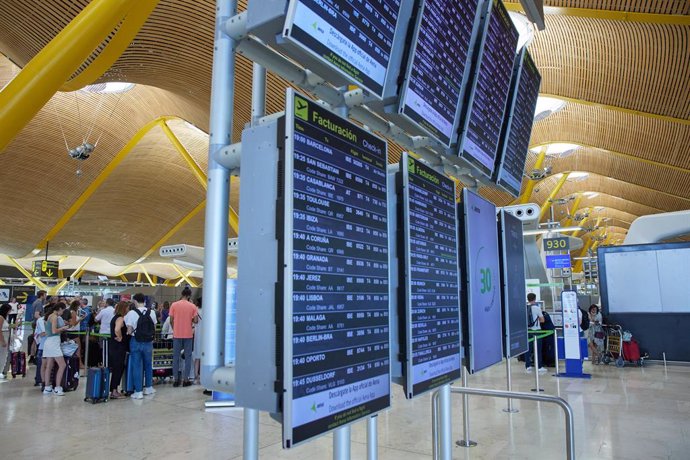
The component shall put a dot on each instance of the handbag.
(599, 335)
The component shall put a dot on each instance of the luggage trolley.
(613, 345)
(162, 357)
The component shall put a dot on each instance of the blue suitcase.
(97, 384)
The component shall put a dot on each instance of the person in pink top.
(183, 315)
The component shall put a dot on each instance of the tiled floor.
(629, 413)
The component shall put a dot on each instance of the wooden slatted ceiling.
(634, 65)
(602, 184)
(644, 137)
(633, 6)
(615, 202)
(625, 169)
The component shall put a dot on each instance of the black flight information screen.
(355, 37)
(432, 301)
(336, 366)
(437, 70)
(519, 127)
(491, 91)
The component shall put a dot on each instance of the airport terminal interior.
(346, 213)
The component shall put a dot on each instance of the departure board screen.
(438, 68)
(482, 315)
(518, 127)
(432, 301)
(495, 69)
(336, 366)
(355, 37)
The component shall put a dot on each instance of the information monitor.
(438, 69)
(355, 38)
(517, 127)
(488, 95)
(335, 326)
(482, 316)
(432, 300)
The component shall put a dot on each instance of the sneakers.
(149, 391)
(187, 383)
(543, 370)
(529, 369)
(58, 391)
(48, 390)
(137, 395)
(2, 376)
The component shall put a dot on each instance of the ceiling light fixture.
(547, 106)
(558, 149)
(111, 87)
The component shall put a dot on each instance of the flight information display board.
(432, 301)
(336, 366)
(513, 284)
(354, 38)
(482, 316)
(438, 69)
(487, 101)
(517, 128)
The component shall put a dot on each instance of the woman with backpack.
(141, 325)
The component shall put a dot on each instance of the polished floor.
(629, 413)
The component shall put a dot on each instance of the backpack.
(531, 320)
(547, 325)
(145, 326)
(584, 324)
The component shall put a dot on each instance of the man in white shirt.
(14, 309)
(141, 346)
(536, 318)
(105, 316)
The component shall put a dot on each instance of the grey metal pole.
(341, 443)
(436, 448)
(466, 441)
(250, 448)
(372, 438)
(567, 410)
(87, 338)
(536, 366)
(509, 384)
(217, 193)
(258, 92)
(445, 438)
(555, 350)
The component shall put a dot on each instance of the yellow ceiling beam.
(184, 277)
(127, 30)
(618, 154)
(147, 275)
(573, 210)
(529, 188)
(24, 96)
(80, 269)
(196, 170)
(124, 278)
(557, 188)
(28, 275)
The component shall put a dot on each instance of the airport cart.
(613, 345)
(162, 357)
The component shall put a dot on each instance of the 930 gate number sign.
(557, 244)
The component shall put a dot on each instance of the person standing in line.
(74, 323)
(105, 316)
(40, 338)
(4, 337)
(141, 326)
(14, 309)
(117, 347)
(196, 354)
(535, 320)
(52, 352)
(35, 313)
(183, 315)
(165, 311)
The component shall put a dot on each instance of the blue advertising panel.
(558, 261)
(431, 301)
(438, 68)
(335, 325)
(482, 316)
(513, 284)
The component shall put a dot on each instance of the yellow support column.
(557, 188)
(525, 197)
(583, 253)
(28, 275)
(576, 205)
(41, 78)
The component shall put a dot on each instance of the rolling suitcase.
(18, 365)
(70, 378)
(97, 384)
(631, 351)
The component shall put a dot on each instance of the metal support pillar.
(341, 443)
(555, 350)
(372, 438)
(466, 441)
(535, 366)
(509, 385)
(250, 449)
(445, 432)
(217, 195)
(435, 447)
